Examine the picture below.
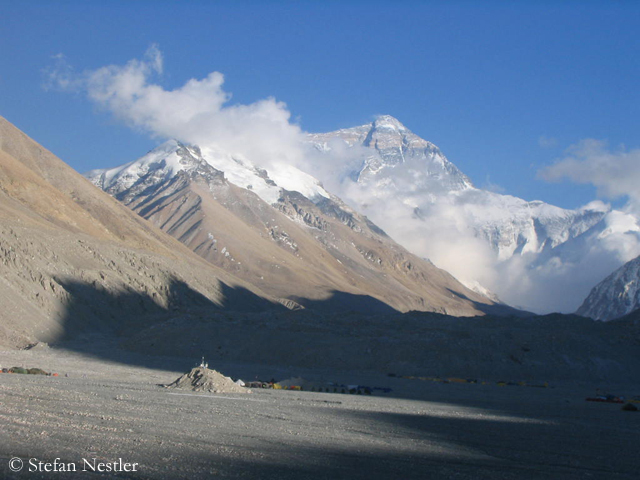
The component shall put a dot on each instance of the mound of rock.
(201, 379)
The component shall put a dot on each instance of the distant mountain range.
(527, 253)
(304, 280)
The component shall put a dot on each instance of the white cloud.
(60, 76)
(560, 283)
(615, 174)
(547, 142)
(596, 206)
(198, 112)
(492, 187)
(438, 228)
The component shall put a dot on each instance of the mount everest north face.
(527, 254)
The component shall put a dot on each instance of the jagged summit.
(396, 157)
(165, 160)
(386, 132)
(616, 295)
(388, 122)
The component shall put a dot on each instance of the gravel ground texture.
(116, 416)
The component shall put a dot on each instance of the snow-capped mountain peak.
(406, 185)
(394, 157)
(168, 159)
(387, 122)
(616, 295)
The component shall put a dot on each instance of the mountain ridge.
(322, 246)
(615, 296)
(499, 246)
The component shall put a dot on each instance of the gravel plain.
(117, 414)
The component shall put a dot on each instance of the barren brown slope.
(74, 259)
(323, 255)
(44, 183)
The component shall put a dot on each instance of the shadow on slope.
(135, 328)
(93, 309)
(179, 321)
(347, 302)
(499, 309)
(96, 317)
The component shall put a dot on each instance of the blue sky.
(503, 88)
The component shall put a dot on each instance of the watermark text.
(17, 464)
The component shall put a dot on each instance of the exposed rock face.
(311, 249)
(616, 296)
(75, 260)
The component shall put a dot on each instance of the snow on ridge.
(163, 157)
(172, 157)
(291, 178)
(242, 173)
(389, 122)
(616, 296)
(267, 184)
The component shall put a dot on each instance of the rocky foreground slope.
(74, 259)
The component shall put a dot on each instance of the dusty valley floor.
(110, 411)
